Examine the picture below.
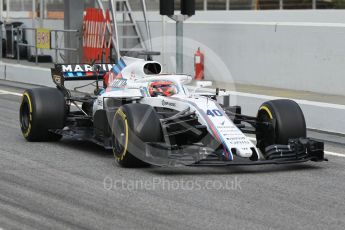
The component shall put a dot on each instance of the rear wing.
(74, 72)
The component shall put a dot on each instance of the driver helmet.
(162, 88)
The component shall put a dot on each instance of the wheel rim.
(25, 117)
(119, 137)
(265, 136)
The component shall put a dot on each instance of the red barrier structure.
(96, 40)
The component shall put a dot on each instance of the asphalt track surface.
(77, 185)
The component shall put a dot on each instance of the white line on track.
(11, 93)
(334, 154)
(267, 97)
(250, 138)
(299, 101)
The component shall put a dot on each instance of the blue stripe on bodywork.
(116, 69)
(122, 64)
(207, 119)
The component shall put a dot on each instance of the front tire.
(42, 109)
(133, 126)
(286, 119)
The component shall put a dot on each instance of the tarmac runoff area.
(76, 185)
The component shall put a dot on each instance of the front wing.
(296, 151)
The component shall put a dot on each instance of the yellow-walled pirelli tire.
(287, 121)
(133, 126)
(41, 110)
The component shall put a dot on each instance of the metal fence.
(54, 46)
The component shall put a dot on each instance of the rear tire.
(133, 126)
(42, 109)
(287, 121)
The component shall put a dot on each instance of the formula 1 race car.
(147, 117)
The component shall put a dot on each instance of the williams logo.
(166, 103)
